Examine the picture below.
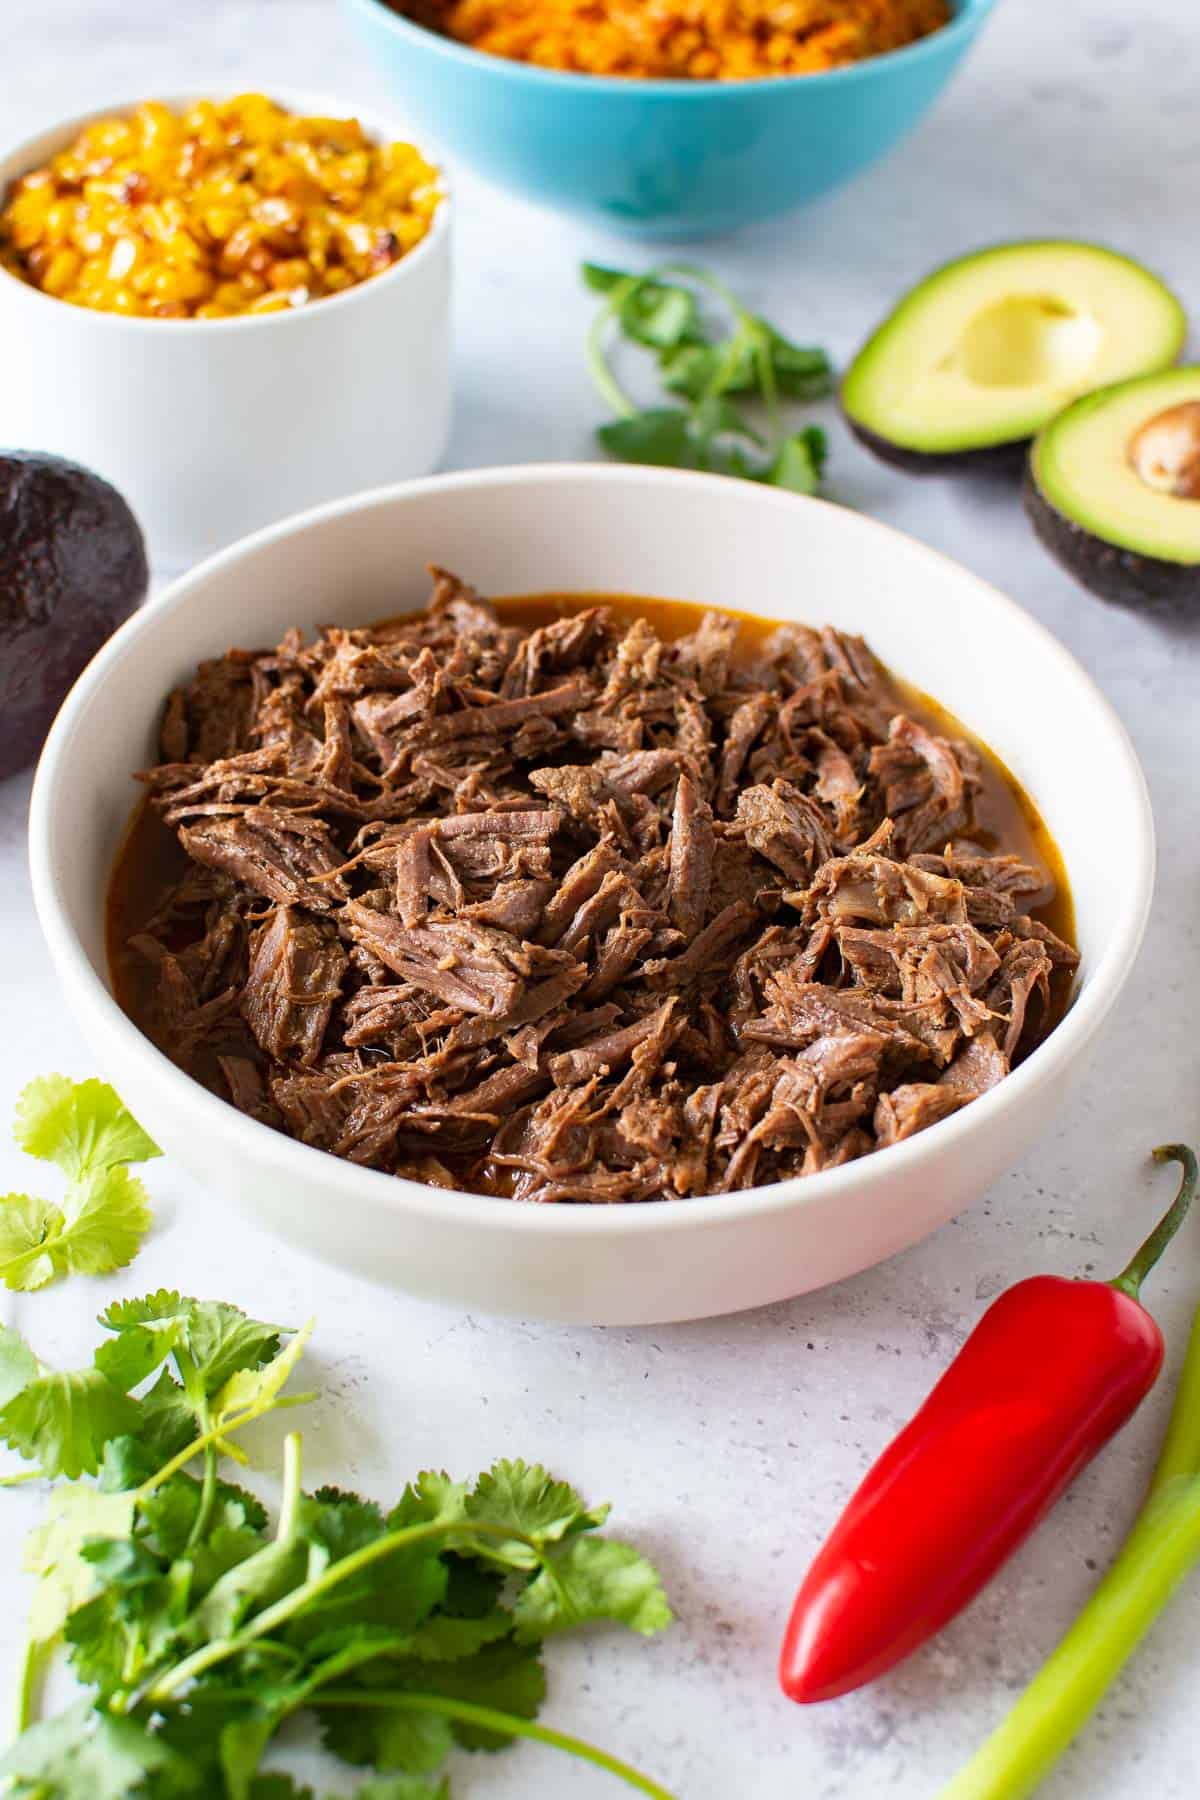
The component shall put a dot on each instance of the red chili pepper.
(1053, 1369)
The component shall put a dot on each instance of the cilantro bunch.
(710, 429)
(202, 1628)
(104, 1214)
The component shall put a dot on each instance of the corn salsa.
(229, 208)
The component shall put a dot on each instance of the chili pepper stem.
(1130, 1280)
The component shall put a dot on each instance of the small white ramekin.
(212, 428)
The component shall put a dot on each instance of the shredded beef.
(576, 913)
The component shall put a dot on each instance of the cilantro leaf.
(63, 1421)
(223, 1342)
(340, 1523)
(799, 373)
(136, 1352)
(219, 1352)
(600, 279)
(659, 314)
(241, 1745)
(248, 1388)
(445, 1639)
(168, 1514)
(431, 1497)
(802, 373)
(691, 369)
(168, 1421)
(226, 1546)
(660, 436)
(107, 1214)
(717, 415)
(524, 1497)
(590, 1578)
(76, 1516)
(799, 462)
(18, 1364)
(85, 1755)
(83, 1126)
(508, 1677)
(26, 1224)
(151, 1309)
(132, 1624)
(99, 1227)
(416, 1742)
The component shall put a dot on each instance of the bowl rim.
(379, 123)
(968, 16)
(206, 1113)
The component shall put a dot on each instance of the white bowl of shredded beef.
(594, 959)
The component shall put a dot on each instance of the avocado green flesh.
(988, 348)
(1081, 465)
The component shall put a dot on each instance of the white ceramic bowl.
(694, 537)
(214, 427)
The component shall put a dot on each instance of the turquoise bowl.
(661, 159)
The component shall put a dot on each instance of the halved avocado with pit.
(1114, 490)
(976, 359)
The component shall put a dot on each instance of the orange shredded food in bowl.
(231, 207)
(725, 40)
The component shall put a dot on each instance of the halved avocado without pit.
(1113, 490)
(978, 357)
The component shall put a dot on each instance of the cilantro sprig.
(201, 1628)
(99, 1224)
(710, 430)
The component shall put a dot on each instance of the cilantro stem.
(489, 1720)
(25, 1475)
(221, 1649)
(215, 1435)
(290, 1504)
(602, 376)
(30, 1670)
(208, 1491)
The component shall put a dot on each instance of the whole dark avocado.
(72, 567)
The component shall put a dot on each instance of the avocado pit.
(1165, 451)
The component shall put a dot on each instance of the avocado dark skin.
(995, 459)
(72, 567)
(1124, 577)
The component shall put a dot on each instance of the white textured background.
(729, 1446)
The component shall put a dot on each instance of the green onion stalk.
(1161, 1549)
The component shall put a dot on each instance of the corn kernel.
(61, 271)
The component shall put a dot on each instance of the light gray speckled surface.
(728, 1446)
